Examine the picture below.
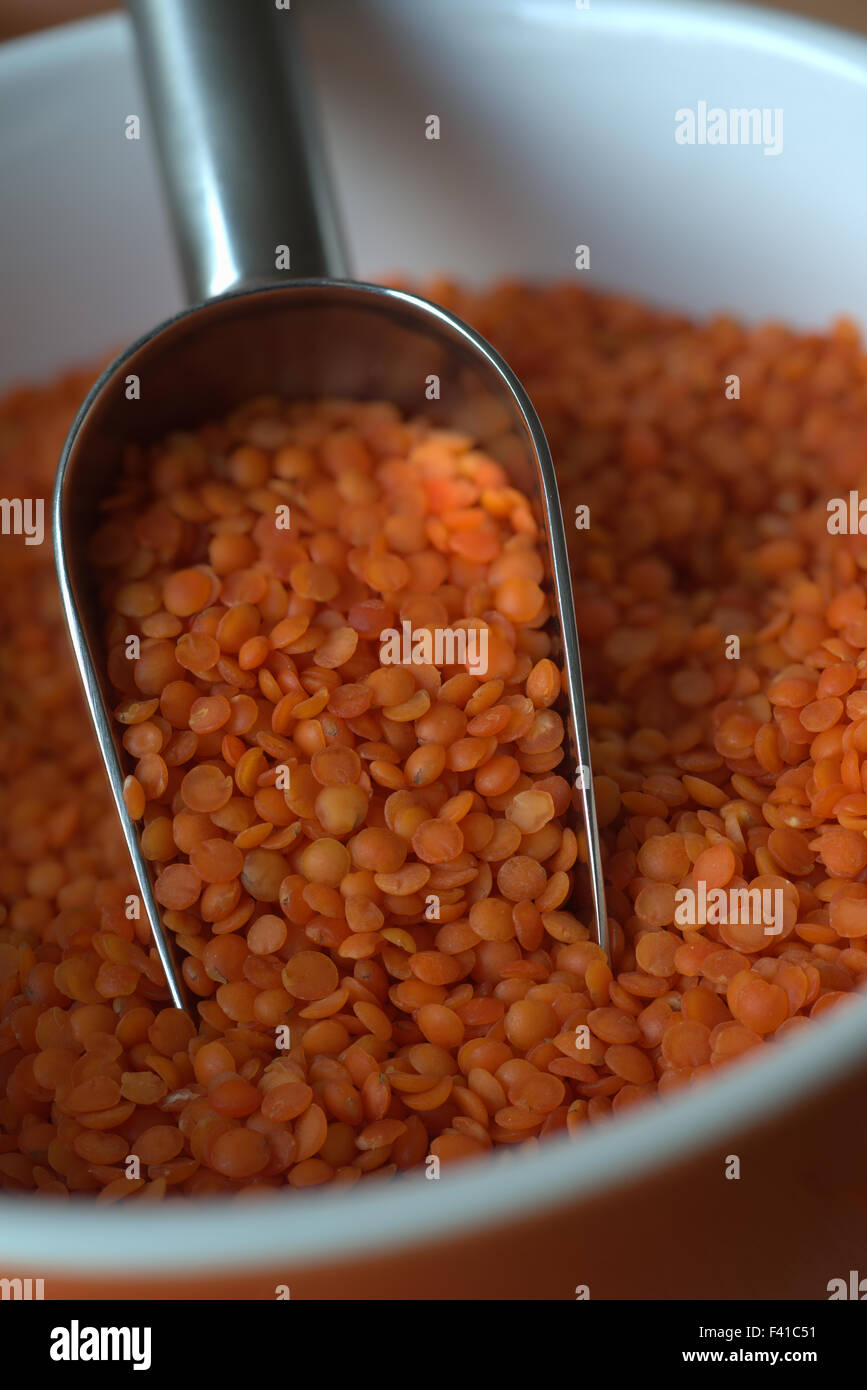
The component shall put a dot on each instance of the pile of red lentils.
(371, 870)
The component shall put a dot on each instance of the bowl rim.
(327, 1227)
(755, 26)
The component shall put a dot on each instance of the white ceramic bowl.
(557, 128)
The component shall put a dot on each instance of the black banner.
(68, 1339)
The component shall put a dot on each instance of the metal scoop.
(248, 192)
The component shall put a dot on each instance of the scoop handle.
(242, 165)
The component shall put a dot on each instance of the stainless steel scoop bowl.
(244, 178)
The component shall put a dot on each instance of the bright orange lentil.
(266, 740)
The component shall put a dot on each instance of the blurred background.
(23, 16)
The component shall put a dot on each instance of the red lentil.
(305, 905)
